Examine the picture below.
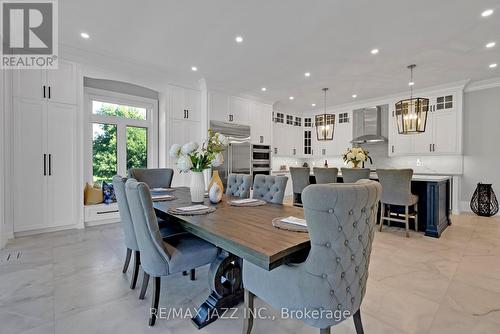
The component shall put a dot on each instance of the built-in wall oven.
(261, 160)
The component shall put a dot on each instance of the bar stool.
(300, 180)
(325, 175)
(352, 175)
(396, 185)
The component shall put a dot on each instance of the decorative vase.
(215, 193)
(484, 202)
(216, 180)
(197, 187)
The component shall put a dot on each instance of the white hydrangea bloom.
(184, 163)
(190, 147)
(219, 160)
(175, 150)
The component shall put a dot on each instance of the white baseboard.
(465, 207)
(45, 230)
(102, 222)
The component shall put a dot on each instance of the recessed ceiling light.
(487, 12)
(354, 96)
(239, 39)
(493, 65)
(307, 74)
(411, 83)
(491, 44)
(313, 105)
(263, 89)
(85, 35)
(194, 68)
(374, 51)
(291, 97)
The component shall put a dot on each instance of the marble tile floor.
(71, 282)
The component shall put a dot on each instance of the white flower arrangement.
(356, 155)
(191, 156)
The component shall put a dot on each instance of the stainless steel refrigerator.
(237, 156)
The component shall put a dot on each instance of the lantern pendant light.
(325, 123)
(411, 114)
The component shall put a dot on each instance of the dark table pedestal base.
(227, 289)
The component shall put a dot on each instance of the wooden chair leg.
(153, 312)
(416, 217)
(407, 221)
(145, 281)
(127, 260)
(389, 215)
(193, 275)
(248, 312)
(382, 209)
(357, 322)
(135, 273)
(324, 330)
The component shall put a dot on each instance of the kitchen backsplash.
(452, 164)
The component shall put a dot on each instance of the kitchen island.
(434, 200)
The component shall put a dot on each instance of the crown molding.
(483, 84)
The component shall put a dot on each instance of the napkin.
(294, 221)
(159, 197)
(197, 207)
(161, 189)
(244, 201)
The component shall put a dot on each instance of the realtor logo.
(29, 34)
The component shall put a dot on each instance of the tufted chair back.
(270, 188)
(125, 217)
(397, 186)
(154, 256)
(325, 175)
(352, 175)
(341, 219)
(153, 177)
(238, 185)
(300, 178)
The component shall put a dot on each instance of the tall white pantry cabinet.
(44, 169)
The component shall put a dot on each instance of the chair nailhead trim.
(324, 276)
(331, 211)
(332, 292)
(328, 245)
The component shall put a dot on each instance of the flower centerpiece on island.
(355, 156)
(192, 157)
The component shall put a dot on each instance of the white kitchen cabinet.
(260, 123)
(185, 104)
(44, 164)
(287, 140)
(219, 107)
(181, 132)
(342, 134)
(279, 139)
(59, 85)
(229, 109)
(239, 111)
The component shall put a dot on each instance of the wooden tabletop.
(246, 232)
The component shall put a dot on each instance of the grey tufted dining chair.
(300, 180)
(269, 188)
(128, 228)
(238, 185)
(341, 220)
(352, 175)
(162, 257)
(397, 192)
(153, 177)
(325, 175)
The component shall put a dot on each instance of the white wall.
(3, 234)
(481, 142)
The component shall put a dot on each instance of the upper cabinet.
(443, 133)
(58, 85)
(229, 109)
(185, 104)
(261, 123)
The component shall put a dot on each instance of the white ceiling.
(283, 39)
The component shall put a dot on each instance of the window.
(123, 135)
(289, 119)
(344, 117)
(308, 122)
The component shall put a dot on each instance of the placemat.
(174, 211)
(287, 226)
(163, 198)
(254, 203)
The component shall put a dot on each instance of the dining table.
(241, 233)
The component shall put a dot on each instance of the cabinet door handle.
(187, 113)
(392, 148)
(430, 147)
(50, 164)
(45, 165)
(43, 91)
(230, 118)
(433, 147)
(49, 92)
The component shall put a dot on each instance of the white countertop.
(373, 175)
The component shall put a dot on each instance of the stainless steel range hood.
(367, 125)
